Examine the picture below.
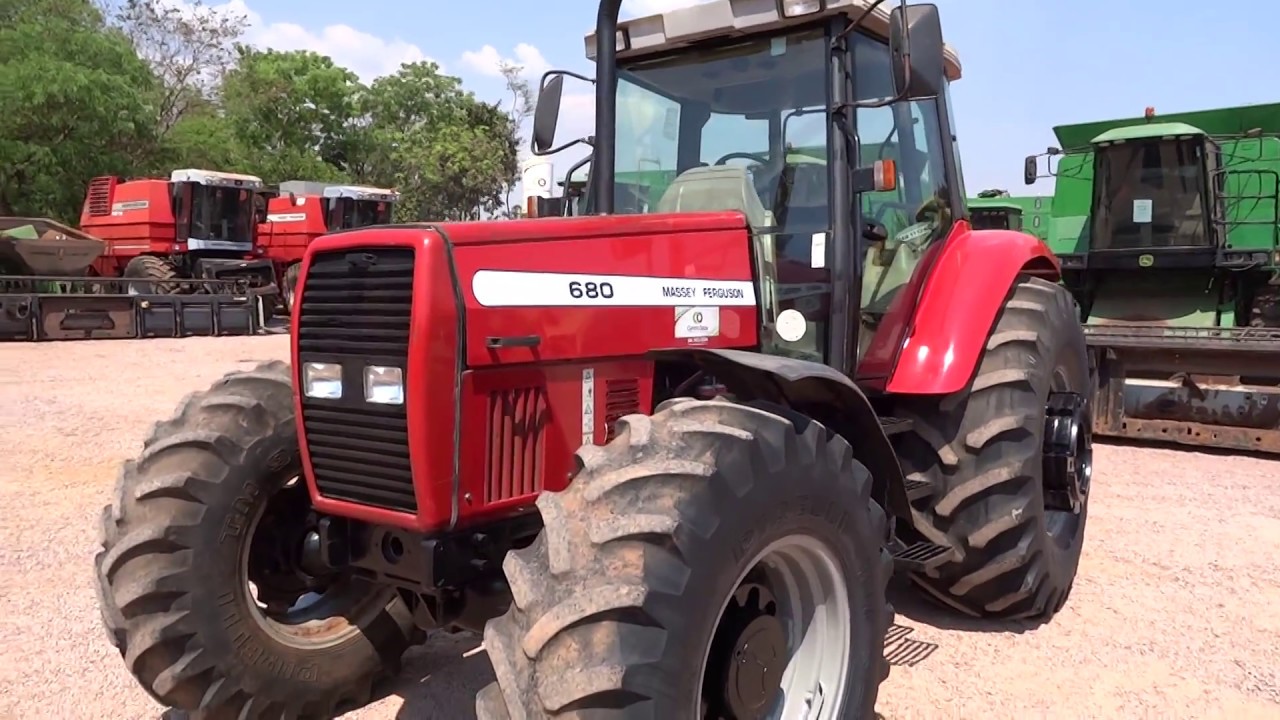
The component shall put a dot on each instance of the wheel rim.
(782, 641)
(1063, 525)
(290, 595)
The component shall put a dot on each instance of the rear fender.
(816, 391)
(965, 290)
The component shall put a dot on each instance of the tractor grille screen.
(355, 313)
(1150, 195)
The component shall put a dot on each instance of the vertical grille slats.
(357, 314)
(517, 443)
(621, 397)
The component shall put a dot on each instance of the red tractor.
(198, 224)
(599, 442)
(303, 211)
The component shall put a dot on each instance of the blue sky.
(1028, 64)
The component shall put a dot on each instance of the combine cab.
(1166, 229)
(997, 210)
(605, 441)
(303, 211)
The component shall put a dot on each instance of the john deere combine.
(1167, 232)
(996, 209)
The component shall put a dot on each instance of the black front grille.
(355, 312)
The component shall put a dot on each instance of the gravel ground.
(1176, 612)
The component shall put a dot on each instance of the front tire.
(289, 286)
(982, 451)
(214, 503)
(151, 269)
(707, 532)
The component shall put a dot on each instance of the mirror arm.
(589, 141)
(552, 73)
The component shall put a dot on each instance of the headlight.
(322, 380)
(384, 385)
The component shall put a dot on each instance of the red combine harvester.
(304, 210)
(198, 224)
(601, 441)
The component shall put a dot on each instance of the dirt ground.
(1175, 614)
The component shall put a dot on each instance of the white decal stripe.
(505, 288)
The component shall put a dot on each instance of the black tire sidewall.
(261, 664)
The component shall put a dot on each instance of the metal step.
(919, 556)
(917, 489)
(894, 425)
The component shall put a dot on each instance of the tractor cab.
(753, 122)
(356, 206)
(215, 212)
(1151, 190)
(995, 214)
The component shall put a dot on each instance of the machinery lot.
(1176, 612)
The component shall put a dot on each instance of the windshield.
(727, 108)
(1149, 195)
(740, 127)
(221, 214)
(368, 212)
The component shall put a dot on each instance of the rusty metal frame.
(1120, 350)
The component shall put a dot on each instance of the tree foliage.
(158, 86)
(78, 103)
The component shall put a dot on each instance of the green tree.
(78, 102)
(451, 156)
(296, 113)
(189, 48)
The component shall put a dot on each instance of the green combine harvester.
(996, 209)
(1166, 228)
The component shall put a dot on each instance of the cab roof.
(1147, 131)
(361, 192)
(219, 179)
(687, 26)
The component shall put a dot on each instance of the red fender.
(963, 293)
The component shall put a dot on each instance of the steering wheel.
(761, 158)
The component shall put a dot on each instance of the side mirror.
(1030, 170)
(546, 115)
(915, 45)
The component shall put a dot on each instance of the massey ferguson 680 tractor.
(598, 441)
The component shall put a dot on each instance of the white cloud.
(368, 56)
(488, 61)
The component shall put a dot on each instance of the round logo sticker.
(791, 325)
(1146, 260)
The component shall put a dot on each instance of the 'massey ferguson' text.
(710, 293)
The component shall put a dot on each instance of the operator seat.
(726, 187)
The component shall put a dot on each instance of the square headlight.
(384, 385)
(322, 380)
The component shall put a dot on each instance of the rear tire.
(180, 545)
(981, 450)
(150, 267)
(651, 552)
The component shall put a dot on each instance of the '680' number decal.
(592, 290)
